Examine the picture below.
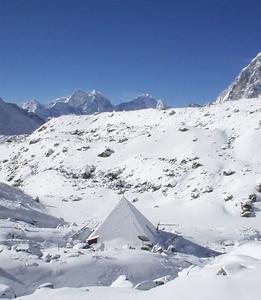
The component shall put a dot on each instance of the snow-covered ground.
(197, 171)
(230, 276)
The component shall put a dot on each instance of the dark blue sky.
(181, 51)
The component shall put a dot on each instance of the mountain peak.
(94, 93)
(246, 85)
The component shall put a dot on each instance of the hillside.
(196, 171)
(189, 164)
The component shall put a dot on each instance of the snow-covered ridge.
(83, 103)
(246, 85)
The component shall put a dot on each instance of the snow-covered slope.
(231, 276)
(195, 164)
(196, 171)
(246, 85)
(14, 120)
(16, 205)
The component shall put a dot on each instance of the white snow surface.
(172, 165)
(240, 282)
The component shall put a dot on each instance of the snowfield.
(194, 172)
(231, 276)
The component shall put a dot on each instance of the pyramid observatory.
(123, 226)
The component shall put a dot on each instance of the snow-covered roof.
(124, 224)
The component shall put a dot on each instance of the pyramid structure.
(124, 225)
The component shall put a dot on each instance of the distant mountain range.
(83, 103)
(15, 120)
(20, 120)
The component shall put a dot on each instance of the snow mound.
(16, 205)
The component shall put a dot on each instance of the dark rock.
(221, 271)
(252, 197)
(258, 187)
(106, 153)
(228, 172)
(172, 112)
(49, 152)
(246, 214)
(89, 170)
(183, 129)
(34, 141)
(196, 165)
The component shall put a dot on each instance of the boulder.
(183, 129)
(258, 187)
(49, 152)
(252, 197)
(106, 153)
(88, 173)
(172, 112)
(228, 172)
(196, 165)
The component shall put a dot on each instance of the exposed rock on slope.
(246, 85)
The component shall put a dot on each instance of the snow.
(172, 177)
(14, 204)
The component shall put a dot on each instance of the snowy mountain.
(246, 85)
(14, 120)
(83, 103)
(141, 102)
(90, 103)
(60, 107)
(36, 108)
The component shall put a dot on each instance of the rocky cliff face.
(246, 85)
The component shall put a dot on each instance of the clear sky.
(179, 50)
